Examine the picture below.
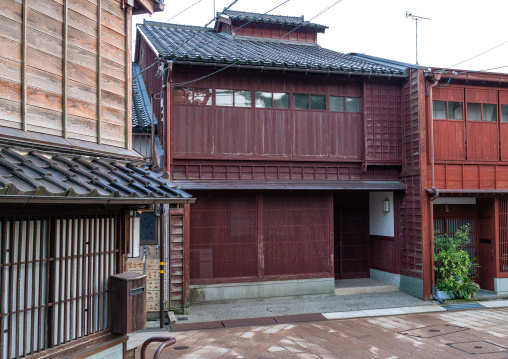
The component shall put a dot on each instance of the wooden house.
(464, 172)
(304, 160)
(69, 179)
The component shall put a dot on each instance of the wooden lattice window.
(503, 235)
(450, 225)
(54, 274)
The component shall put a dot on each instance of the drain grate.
(462, 306)
(181, 348)
(478, 347)
(433, 331)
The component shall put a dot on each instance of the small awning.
(482, 192)
(291, 185)
(36, 176)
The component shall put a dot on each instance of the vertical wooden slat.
(83, 274)
(23, 65)
(11, 289)
(49, 317)
(36, 233)
(61, 282)
(89, 283)
(26, 283)
(3, 240)
(79, 265)
(69, 245)
(260, 230)
(41, 287)
(18, 283)
(102, 232)
(99, 62)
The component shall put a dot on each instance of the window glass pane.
(454, 110)
(264, 99)
(224, 97)
(504, 113)
(243, 98)
(318, 102)
(489, 112)
(280, 100)
(337, 103)
(202, 97)
(183, 96)
(474, 111)
(439, 110)
(353, 104)
(301, 101)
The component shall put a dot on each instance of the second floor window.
(504, 113)
(314, 102)
(447, 110)
(481, 112)
(192, 96)
(237, 98)
(272, 100)
(345, 104)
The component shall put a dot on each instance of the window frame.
(344, 102)
(496, 105)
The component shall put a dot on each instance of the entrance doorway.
(351, 229)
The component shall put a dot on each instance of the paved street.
(481, 333)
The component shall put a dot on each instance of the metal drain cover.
(277, 309)
(478, 347)
(433, 331)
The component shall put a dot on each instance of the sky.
(457, 29)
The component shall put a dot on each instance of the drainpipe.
(436, 78)
(167, 123)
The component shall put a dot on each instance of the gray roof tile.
(27, 172)
(209, 46)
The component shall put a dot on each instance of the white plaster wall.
(381, 223)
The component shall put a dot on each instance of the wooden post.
(260, 232)
(99, 63)
(23, 66)
(64, 67)
(128, 77)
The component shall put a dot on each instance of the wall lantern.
(386, 205)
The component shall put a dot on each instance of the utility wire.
(278, 39)
(184, 10)
(495, 47)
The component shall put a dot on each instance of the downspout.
(162, 283)
(435, 191)
(167, 123)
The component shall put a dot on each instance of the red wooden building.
(305, 161)
(465, 172)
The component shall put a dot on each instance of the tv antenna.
(416, 19)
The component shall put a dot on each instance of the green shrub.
(452, 264)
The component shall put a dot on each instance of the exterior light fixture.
(386, 205)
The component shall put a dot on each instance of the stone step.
(362, 286)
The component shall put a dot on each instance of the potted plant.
(452, 265)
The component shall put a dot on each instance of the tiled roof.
(209, 46)
(270, 19)
(34, 173)
(140, 101)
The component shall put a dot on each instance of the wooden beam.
(99, 62)
(128, 78)
(64, 67)
(23, 64)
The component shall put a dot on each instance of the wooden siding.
(66, 86)
(178, 275)
(240, 236)
(283, 134)
(283, 171)
(470, 176)
(271, 31)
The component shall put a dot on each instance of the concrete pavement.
(481, 333)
